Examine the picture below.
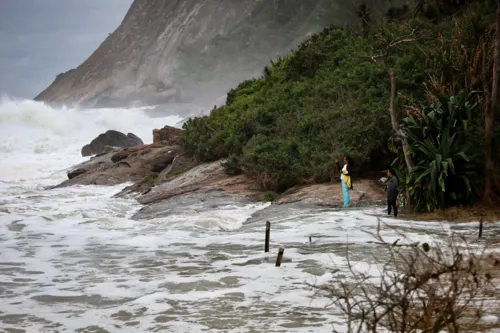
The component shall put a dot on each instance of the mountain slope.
(193, 50)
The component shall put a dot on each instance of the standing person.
(345, 178)
(392, 192)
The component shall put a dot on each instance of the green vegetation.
(151, 179)
(331, 96)
(440, 142)
(268, 196)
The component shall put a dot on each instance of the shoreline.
(161, 172)
(183, 177)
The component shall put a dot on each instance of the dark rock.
(86, 151)
(108, 141)
(135, 137)
(75, 173)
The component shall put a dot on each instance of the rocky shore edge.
(160, 173)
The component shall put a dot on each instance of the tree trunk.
(394, 117)
(364, 14)
(489, 115)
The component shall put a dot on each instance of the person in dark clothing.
(392, 192)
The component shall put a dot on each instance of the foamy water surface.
(72, 259)
(36, 139)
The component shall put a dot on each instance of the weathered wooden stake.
(268, 234)
(481, 228)
(280, 257)
(310, 240)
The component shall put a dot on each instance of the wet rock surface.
(133, 165)
(236, 192)
(194, 202)
(365, 192)
(164, 177)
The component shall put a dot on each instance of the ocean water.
(73, 260)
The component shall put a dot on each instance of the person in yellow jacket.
(345, 178)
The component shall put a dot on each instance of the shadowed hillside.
(194, 50)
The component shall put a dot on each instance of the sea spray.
(37, 140)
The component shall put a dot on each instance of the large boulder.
(87, 150)
(110, 138)
(168, 135)
(115, 167)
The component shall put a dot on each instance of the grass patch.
(151, 179)
(268, 196)
(171, 175)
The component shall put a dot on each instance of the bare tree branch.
(402, 41)
(416, 290)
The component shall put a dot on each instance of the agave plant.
(440, 177)
(438, 144)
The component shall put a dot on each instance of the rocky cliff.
(194, 50)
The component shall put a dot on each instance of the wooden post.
(481, 228)
(310, 240)
(280, 257)
(268, 235)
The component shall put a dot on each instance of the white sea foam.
(180, 273)
(37, 140)
(73, 258)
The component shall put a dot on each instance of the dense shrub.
(307, 110)
(439, 141)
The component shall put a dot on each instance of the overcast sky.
(42, 38)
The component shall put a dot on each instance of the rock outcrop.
(111, 138)
(161, 172)
(205, 177)
(330, 194)
(195, 50)
(122, 165)
(167, 135)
